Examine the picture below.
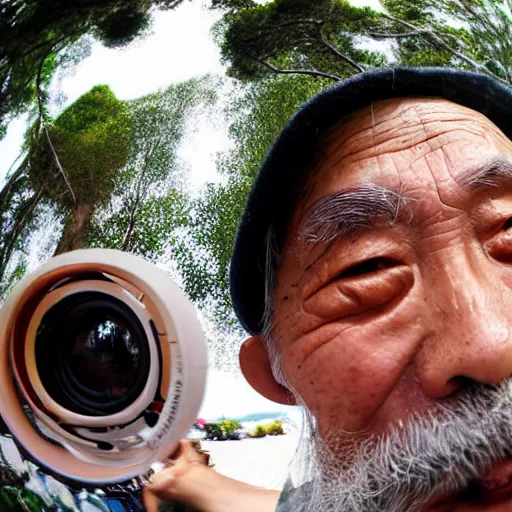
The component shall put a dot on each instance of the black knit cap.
(270, 202)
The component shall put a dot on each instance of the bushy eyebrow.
(487, 175)
(352, 211)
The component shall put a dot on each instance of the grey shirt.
(294, 499)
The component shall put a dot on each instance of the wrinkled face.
(395, 289)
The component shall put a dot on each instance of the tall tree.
(296, 36)
(72, 163)
(109, 169)
(203, 255)
(151, 201)
(33, 30)
(324, 37)
(89, 144)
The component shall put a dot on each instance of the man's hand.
(191, 481)
(177, 482)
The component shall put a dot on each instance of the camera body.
(102, 365)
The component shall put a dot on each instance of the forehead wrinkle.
(437, 178)
(370, 113)
(377, 152)
(336, 137)
(361, 130)
(333, 157)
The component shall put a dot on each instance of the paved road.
(262, 462)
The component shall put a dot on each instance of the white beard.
(436, 454)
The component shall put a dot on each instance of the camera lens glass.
(92, 354)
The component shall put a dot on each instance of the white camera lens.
(103, 363)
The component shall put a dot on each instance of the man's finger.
(161, 482)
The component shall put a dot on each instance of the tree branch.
(266, 28)
(40, 104)
(378, 35)
(166, 5)
(446, 46)
(340, 55)
(132, 217)
(42, 45)
(299, 71)
(300, 21)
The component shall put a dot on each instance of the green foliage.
(123, 25)
(275, 428)
(468, 34)
(257, 117)
(232, 5)
(92, 139)
(14, 499)
(299, 35)
(414, 12)
(18, 204)
(268, 429)
(213, 431)
(259, 431)
(74, 162)
(150, 203)
(33, 30)
(12, 278)
(229, 427)
(109, 169)
(145, 232)
(324, 37)
(224, 429)
(487, 34)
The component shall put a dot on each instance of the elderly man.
(373, 268)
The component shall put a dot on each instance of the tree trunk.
(129, 233)
(138, 197)
(75, 231)
(131, 224)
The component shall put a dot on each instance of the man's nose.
(470, 339)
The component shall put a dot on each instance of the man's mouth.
(495, 486)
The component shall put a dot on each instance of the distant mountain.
(258, 416)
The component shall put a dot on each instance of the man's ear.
(256, 368)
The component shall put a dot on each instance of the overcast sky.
(179, 47)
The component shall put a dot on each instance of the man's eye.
(507, 225)
(367, 267)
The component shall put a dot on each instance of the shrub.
(214, 431)
(229, 426)
(225, 429)
(271, 429)
(275, 428)
(259, 431)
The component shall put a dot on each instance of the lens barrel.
(102, 365)
(92, 354)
